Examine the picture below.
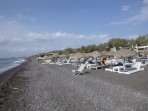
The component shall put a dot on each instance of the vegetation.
(115, 42)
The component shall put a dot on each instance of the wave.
(9, 63)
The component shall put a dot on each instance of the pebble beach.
(33, 86)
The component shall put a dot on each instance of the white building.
(140, 49)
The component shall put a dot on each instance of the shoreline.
(4, 76)
(11, 83)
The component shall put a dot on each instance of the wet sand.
(37, 87)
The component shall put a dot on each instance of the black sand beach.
(38, 87)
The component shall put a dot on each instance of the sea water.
(8, 63)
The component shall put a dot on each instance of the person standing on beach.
(103, 60)
(38, 59)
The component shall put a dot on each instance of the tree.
(69, 51)
(102, 47)
(142, 40)
(117, 42)
(114, 42)
(90, 48)
(83, 49)
(41, 54)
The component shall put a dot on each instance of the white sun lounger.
(109, 69)
(134, 68)
(80, 69)
(145, 63)
(93, 66)
(115, 68)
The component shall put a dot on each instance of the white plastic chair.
(80, 69)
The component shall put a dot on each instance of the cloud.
(33, 19)
(11, 22)
(34, 42)
(23, 17)
(62, 36)
(125, 8)
(1, 17)
(16, 40)
(34, 36)
(84, 11)
(16, 17)
(20, 49)
(20, 16)
(140, 17)
(145, 1)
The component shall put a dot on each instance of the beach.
(33, 86)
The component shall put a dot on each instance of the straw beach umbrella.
(95, 54)
(111, 53)
(63, 56)
(80, 55)
(124, 53)
(104, 53)
(77, 55)
(51, 57)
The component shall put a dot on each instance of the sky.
(29, 27)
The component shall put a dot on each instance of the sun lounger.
(93, 66)
(76, 64)
(48, 62)
(109, 69)
(145, 62)
(80, 69)
(115, 68)
(134, 68)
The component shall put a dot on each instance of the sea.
(9, 63)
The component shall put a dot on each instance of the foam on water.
(9, 63)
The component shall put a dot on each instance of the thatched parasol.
(76, 55)
(110, 53)
(80, 55)
(124, 53)
(104, 53)
(95, 54)
(53, 56)
(63, 56)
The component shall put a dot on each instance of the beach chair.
(109, 69)
(145, 62)
(134, 68)
(80, 70)
(115, 68)
(93, 66)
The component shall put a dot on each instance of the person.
(103, 60)
(38, 59)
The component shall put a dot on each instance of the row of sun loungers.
(119, 69)
(126, 70)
